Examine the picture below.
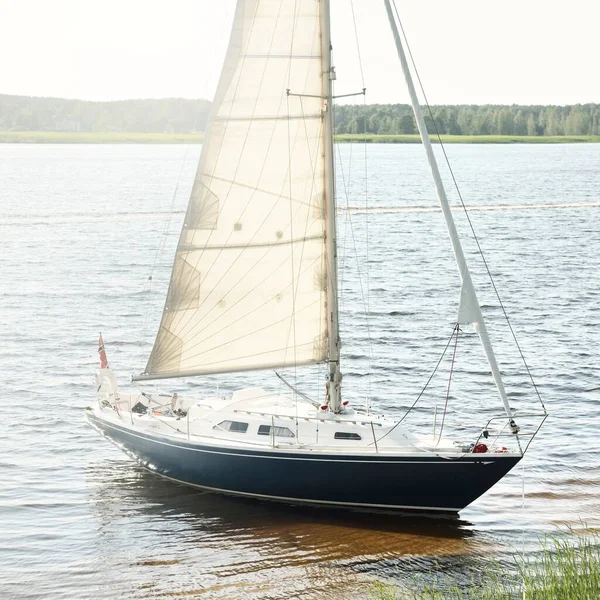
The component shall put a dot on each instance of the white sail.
(249, 282)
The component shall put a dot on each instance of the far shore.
(68, 137)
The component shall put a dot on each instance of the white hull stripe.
(227, 452)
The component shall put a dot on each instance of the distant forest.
(579, 119)
(176, 115)
(168, 115)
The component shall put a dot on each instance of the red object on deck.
(480, 449)
(102, 353)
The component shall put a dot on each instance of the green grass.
(568, 568)
(68, 137)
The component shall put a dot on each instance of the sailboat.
(254, 287)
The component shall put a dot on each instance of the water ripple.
(82, 521)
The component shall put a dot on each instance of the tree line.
(167, 115)
(578, 119)
(178, 115)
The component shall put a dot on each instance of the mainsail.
(249, 283)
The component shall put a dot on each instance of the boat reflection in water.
(161, 538)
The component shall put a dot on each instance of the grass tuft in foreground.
(567, 568)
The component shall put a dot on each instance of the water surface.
(81, 230)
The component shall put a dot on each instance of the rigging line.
(227, 123)
(456, 331)
(422, 391)
(163, 238)
(362, 77)
(292, 327)
(344, 253)
(171, 208)
(168, 221)
(370, 373)
(294, 23)
(466, 212)
(174, 351)
(362, 291)
(429, 380)
(289, 175)
(296, 391)
(346, 185)
(365, 298)
(290, 185)
(313, 164)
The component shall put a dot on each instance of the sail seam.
(287, 56)
(224, 275)
(227, 271)
(269, 118)
(177, 328)
(243, 147)
(311, 195)
(290, 242)
(250, 155)
(235, 369)
(255, 331)
(199, 342)
(318, 138)
(220, 95)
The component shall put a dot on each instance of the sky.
(467, 51)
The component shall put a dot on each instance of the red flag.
(102, 353)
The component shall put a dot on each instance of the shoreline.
(60, 137)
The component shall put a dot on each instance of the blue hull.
(376, 482)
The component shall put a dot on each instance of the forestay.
(248, 287)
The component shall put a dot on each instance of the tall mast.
(334, 382)
(469, 309)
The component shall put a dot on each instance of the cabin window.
(344, 435)
(235, 426)
(279, 431)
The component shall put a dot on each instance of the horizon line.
(182, 98)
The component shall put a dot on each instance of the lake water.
(81, 230)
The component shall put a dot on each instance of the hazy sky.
(467, 51)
